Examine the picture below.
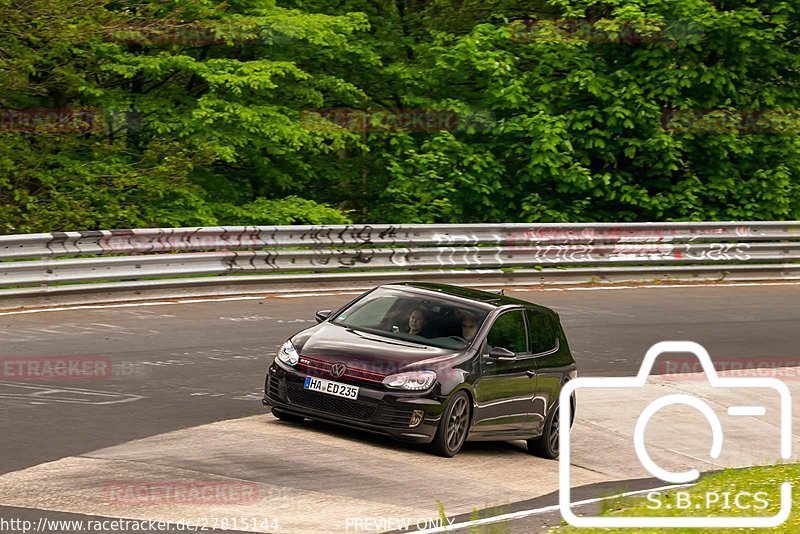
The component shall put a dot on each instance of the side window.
(541, 332)
(508, 331)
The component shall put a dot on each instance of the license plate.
(331, 388)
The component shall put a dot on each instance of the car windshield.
(414, 317)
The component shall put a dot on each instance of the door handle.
(530, 374)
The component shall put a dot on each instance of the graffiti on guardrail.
(612, 235)
(444, 250)
(120, 241)
(174, 240)
(633, 252)
(716, 252)
(152, 241)
(359, 258)
(473, 257)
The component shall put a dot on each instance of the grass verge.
(758, 489)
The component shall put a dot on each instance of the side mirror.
(502, 354)
(322, 315)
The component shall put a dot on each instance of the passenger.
(417, 322)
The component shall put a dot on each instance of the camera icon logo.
(639, 444)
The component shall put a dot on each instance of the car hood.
(362, 350)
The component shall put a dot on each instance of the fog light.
(416, 418)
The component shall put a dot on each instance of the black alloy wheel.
(453, 427)
(547, 444)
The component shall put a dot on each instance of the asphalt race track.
(183, 402)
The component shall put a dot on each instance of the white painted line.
(747, 411)
(220, 299)
(669, 286)
(127, 305)
(88, 307)
(43, 394)
(301, 295)
(535, 511)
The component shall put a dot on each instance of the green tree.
(218, 113)
(578, 132)
(197, 123)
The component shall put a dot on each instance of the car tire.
(453, 426)
(547, 445)
(287, 417)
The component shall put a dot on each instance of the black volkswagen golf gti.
(429, 363)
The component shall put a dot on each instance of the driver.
(469, 325)
(416, 322)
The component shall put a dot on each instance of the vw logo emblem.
(338, 369)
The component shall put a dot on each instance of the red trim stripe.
(359, 374)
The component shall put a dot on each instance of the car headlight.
(288, 354)
(412, 381)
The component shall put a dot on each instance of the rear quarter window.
(541, 331)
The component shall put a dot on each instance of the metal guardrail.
(131, 259)
(152, 240)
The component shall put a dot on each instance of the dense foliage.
(200, 112)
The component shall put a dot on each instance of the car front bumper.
(375, 410)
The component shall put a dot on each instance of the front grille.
(323, 368)
(329, 404)
(365, 375)
(393, 416)
(272, 388)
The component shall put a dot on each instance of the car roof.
(484, 297)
